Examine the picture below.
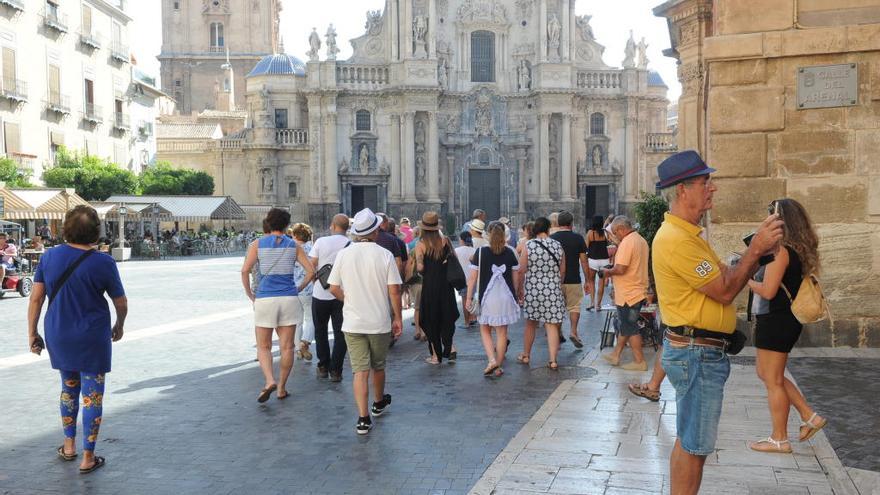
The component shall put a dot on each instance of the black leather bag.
(454, 273)
(736, 342)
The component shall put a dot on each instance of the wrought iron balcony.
(119, 52)
(93, 114)
(14, 90)
(13, 4)
(121, 122)
(55, 20)
(90, 39)
(58, 103)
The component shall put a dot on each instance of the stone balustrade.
(600, 79)
(363, 76)
(163, 146)
(292, 137)
(661, 141)
(230, 144)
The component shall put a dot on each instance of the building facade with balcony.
(451, 105)
(63, 80)
(146, 104)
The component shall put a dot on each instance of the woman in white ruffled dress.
(492, 270)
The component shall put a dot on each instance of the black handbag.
(736, 342)
(323, 273)
(454, 273)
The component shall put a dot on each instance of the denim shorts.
(698, 374)
(629, 318)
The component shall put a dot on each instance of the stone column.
(315, 146)
(521, 196)
(407, 25)
(631, 165)
(542, 29)
(394, 152)
(432, 148)
(450, 182)
(565, 37)
(565, 160)
(409, 165)
(331, 167)
(544, 156)
(431, 36)
(393, 36)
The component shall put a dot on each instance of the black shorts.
(778, 331)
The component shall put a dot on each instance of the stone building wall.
(739, 109)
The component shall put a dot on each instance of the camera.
(606, 267)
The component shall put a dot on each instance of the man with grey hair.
(630, 277)
(477, 215)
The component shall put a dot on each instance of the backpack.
(809, 306)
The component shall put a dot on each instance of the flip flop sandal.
(490, 369)
(813, 428)
(523, 358)
(576, 341)
(431, 361)
(642, 390)
(265, 393)
(65, 456)
(771, 446)
(283, 396)
(499, 372)
(99, 462)
(553, 365)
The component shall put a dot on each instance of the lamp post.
(156, 222)
(122, 212)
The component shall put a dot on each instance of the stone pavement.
(594, 436)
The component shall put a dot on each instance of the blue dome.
(654, 79)
(279, 64)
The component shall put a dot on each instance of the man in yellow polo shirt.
(695, 292)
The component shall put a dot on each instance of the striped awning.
(189, 208)
(134, 211)
(39, 203)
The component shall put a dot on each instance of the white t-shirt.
(464, 255)
(479, 242)
(364, 270)
(326, 249)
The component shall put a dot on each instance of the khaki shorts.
(574, 295)
(367, 351)
(281, 311)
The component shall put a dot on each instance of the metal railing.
(55, 20)
(119, 51)
(661, 141)
(121, 121)
(90, 39)
(93, 113)
(599, 79)
(13, 4)
(363, 76)
(292, 137)
(14, 89)
(58, 103)
(217, 49)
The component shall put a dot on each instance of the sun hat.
(681, 166)
(430, 221)
(365, 222)
(404, 220)
(478, 225)
(504, 220)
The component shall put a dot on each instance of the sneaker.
(335, 376)
(364, 425)
(322, 372)
(634, 366)
(380, 407)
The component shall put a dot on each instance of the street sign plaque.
(826, 86)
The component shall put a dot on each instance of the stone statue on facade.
(554, 136)
(643, 54)
(483, 117)
(332, 49)
(554, 34)
(597, 156)
(420, 136)
(314, 45)
(629, 60)
(443, 74)
(524, 76)
(268, 182)
(420, 31)
(583, 24)
(420, 171)
(453, 124)
(374, 22)
(364, 159)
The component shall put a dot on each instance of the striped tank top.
(277, 260)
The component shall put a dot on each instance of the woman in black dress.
(777, 330)
(438, 308)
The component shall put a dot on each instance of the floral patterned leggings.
(92, 387)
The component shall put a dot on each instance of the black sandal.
(65, 456)
(99, 462)
(265, 393)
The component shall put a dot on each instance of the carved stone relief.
(485, 11)
(554, 37)
(524, 8)
(267, 181)
(584, 28)
(374, 22)
(483, 115)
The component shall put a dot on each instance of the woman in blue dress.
(78, 332)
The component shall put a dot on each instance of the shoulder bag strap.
(67, 273)
(549, 252)
(479, 269)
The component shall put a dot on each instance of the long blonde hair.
(434, 244)
(497, 237)
(799, 234)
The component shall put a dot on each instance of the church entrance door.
(484, 192)
(364, 197)
(596, 202)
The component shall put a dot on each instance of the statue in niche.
(554, 32)
(420, 171)
(643, 54)
(364, 159)
(267, 181)
(554, 174)
(314, 45)
(524, 76)
(630, 53)
(583, 24)
(483, 118)
(597, 156)
(443, 74)
(420, 30)
(343, 165)
(420, 136)
(554, 136)
(332, 49)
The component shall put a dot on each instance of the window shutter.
(87, 20)
(9, 75)
(54, 84)
(13, 138)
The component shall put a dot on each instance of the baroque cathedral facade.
(448, 105)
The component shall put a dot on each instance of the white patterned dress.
(544, 301)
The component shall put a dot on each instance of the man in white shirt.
(464, 252)
(365, 277)
(478, 228)
(325, 307)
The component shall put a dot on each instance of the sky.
(611, 24)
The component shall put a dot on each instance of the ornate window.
(281, 118)
(217, 40)
(597, 124)
(291, 190)
(482, 56)
(362, 120)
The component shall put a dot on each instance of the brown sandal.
(642, 390)
(812, 428)
(771, 446)
(265, 393)
(523, 358)
(553, 365)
